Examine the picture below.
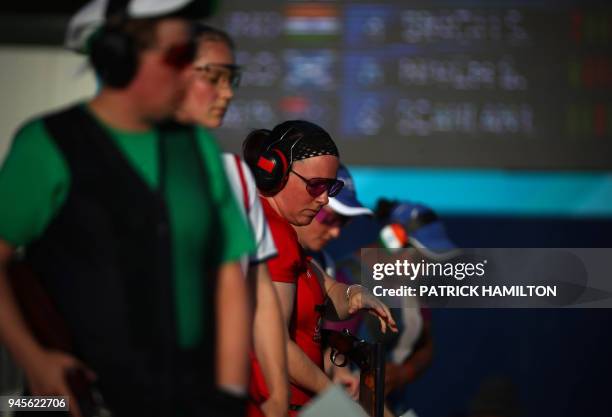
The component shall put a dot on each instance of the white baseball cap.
(346, 202)
(93, 15)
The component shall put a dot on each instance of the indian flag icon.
(312, 22)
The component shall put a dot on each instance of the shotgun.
(49, 328)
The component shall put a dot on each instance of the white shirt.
(264, 242)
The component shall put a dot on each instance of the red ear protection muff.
(272, 167)
(268, 164)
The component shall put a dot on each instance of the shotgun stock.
(49, 328)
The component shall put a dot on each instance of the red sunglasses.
(317, 186)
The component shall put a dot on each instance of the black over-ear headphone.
(272, 168)
(113, 53)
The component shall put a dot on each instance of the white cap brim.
(348, 211)
(91, 16)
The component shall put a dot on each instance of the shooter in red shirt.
(295, 167)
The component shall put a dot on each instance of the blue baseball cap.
(425, 230)
(346, 203)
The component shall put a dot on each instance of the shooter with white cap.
(148, 288)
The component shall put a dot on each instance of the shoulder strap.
(245, 189)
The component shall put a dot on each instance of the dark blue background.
(560, 360)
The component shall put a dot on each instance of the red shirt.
(292, 266)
